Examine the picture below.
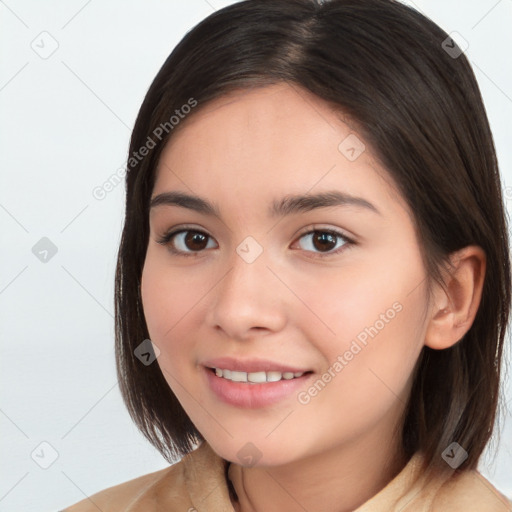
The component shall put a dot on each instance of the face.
(334, 289)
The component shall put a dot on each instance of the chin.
(252, 454)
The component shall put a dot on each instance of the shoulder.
(197, 477)
(448, 491)
(139, 493)
(469, 490)
(124, 495)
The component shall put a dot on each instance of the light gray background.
(65, 125)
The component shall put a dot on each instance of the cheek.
(368, 326)
(174, 300)
(164, 299)
(167, 294)
(360, 301)
(367, 374)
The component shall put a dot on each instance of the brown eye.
(186, 242)
(324, 242)
(195, 240)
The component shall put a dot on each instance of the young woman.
(313, 283)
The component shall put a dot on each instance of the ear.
(456, 306)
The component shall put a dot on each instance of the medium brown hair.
(419, 107)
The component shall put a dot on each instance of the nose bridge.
(247, 297)
(247, 282)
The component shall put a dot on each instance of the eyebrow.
(287, 205)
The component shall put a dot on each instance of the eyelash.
(168, 236)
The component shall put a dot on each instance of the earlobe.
(457, 303)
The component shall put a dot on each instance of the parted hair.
(416, 102)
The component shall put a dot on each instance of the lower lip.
(252, 396)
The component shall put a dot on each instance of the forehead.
(279, 112)
(277, 138)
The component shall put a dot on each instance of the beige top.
(199, 483)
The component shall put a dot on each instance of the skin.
(241, 152)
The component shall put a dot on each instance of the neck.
(339, 480)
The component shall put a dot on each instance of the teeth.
(239, 376)
(273, 376)
(255, 377)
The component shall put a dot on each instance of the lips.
(247, 395)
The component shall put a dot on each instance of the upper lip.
(251, 365)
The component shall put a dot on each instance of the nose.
(249, 300)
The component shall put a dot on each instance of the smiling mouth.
(260, 377)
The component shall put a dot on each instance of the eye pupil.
(195, 237)
(324, 237)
